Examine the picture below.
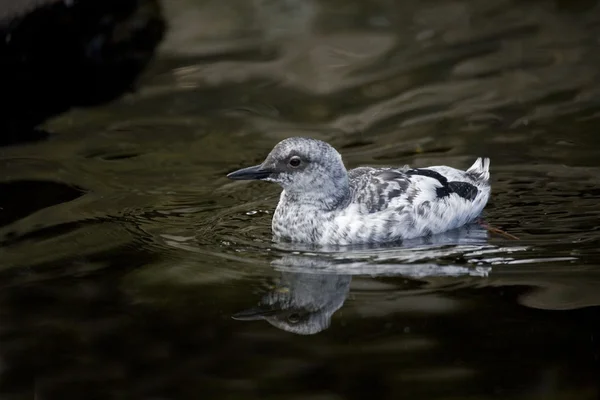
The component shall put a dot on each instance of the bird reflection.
(301, 302)
(313, 286)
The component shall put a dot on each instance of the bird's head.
(305, 168)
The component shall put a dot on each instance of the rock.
(55, 55)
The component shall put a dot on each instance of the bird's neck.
(303, 218)
(333, 198)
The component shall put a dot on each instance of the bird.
(323, 203)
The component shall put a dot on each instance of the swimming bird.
(323, 203)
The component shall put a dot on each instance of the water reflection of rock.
(17, 202)
(312, 288)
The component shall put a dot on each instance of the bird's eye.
(295, 162)
(293, 318)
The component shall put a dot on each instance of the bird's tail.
(480, 169)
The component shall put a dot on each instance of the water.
(125, 251)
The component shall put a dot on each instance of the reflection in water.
(20, 198)
(301, 303)
(312, 288)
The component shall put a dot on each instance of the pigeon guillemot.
(323, 203)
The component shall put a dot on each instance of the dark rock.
(55, 55)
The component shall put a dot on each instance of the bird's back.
(403, 203)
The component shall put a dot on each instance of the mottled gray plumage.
(323, 203)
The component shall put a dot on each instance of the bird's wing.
(376, 189)
(379, 189)
(390, 204)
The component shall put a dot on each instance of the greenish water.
(125, 251)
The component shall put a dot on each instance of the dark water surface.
(125, 251)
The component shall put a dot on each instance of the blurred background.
(131, 268)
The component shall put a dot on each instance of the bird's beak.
(254, 314)
(249, 173)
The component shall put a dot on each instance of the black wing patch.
(464, 189)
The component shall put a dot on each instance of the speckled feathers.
(323, 203)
